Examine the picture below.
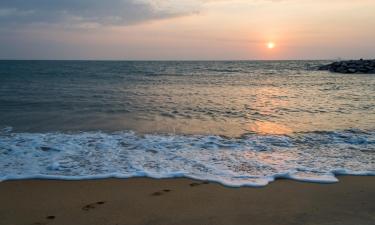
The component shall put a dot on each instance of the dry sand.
(186, 202)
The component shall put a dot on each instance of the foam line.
(252, 160)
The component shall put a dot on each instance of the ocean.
(239, 123)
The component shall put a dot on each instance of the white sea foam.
(252, 160)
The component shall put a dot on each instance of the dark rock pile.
(351, 66)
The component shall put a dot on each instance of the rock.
(342, 69)
(352, 70)
(363, 70)
(351, 66)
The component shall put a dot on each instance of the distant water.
(237, 123)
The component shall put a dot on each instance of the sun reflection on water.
(270, 128)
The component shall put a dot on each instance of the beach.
(184, 202)
(194, 112)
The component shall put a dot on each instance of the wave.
(251, 160)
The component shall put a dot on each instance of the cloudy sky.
(186, 29)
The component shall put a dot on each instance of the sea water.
(240, 123)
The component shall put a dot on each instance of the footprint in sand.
(158, 193)
(92, 205)
(45, 223)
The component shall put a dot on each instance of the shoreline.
(181, 201)
(49, 178)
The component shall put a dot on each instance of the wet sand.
(143, 201)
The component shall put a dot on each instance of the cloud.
(112, 12)
(98, 12)
(104, 12)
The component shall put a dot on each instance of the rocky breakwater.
(351, 66)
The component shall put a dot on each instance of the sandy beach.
(194, 112)
(185, 202)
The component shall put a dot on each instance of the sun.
(270, 45)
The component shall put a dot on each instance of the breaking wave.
(251, 160)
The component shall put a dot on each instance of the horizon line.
(180, 60)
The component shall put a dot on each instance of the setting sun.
(270, 45)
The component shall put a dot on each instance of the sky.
(187, 29)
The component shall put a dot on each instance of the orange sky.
(203, 29)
